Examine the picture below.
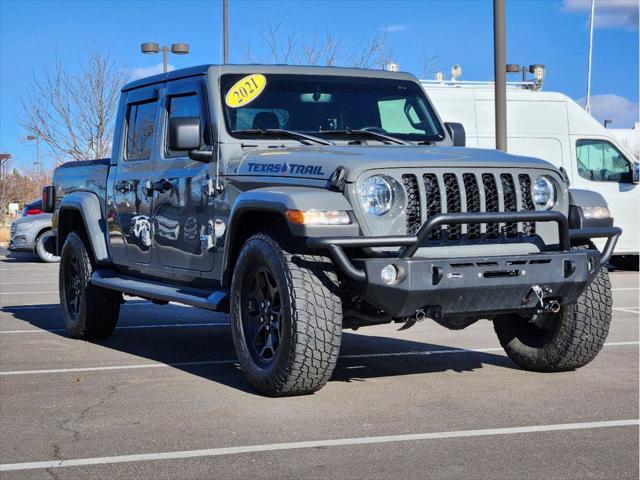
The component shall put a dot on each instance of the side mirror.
(184, 134)
(632, 175)
(48, 198)
(456, 132)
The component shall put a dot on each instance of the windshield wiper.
(287, 133)
(369, 133)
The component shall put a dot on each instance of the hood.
(320, 162)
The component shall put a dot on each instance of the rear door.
(132, 197)
(183, 210)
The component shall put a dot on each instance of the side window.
(141, 119)
(394, 118)
(181, 106)
(599, 160)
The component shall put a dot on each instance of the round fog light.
(389, 274)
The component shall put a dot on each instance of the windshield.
(328, 106)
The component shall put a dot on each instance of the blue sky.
(554, 33)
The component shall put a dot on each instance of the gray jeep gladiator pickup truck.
(305, 200)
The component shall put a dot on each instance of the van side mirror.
(48, 199)
(457, 134)
(183, 134)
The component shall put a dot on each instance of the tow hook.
(551, 305)
(419, 316)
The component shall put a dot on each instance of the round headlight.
(376, 195)
(543, 193)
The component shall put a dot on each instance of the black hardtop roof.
(260, 68)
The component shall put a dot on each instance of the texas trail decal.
(285, 169)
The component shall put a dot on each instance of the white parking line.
(338, 442)
(28, 293)
(624, 289)
(125, 327)
(228, 361)
(627, 310)
(27, 283)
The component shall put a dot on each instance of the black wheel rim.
(73, 285)
(262, 316)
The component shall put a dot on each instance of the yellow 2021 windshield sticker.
(245, 90)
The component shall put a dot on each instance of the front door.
(135, 168)
(183, 208)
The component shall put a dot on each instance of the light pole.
(225, 30)
(587, 105)
(151, 48)
(500, 74)
(35, 138)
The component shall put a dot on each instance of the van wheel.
(565, 341)
(286, 318)
(41, 247)
(89, 312)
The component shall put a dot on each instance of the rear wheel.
(565, 341)
(41, 249)
(89, 312)
(286, 319)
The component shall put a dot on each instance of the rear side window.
(141, 119)
(599, 160)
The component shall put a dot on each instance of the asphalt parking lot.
(163, 398)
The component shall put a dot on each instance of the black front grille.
(510, 202)
(473, 203)
(413, 203)
(452, 191)
(468, 192)
(528, 228)
(433, 202)
(491, 202)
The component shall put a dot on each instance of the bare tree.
(314, 49)
(430, 63)
(73, 114)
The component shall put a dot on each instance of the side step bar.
(217, 300)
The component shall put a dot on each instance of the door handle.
(161, 186)
(123, 186)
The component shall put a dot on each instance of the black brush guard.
(474, 285)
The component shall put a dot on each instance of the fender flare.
(88, 205)
(280, 199)
(578, 199)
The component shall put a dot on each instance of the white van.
(553, 127)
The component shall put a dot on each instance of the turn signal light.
(318, 217)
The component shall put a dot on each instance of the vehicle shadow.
(9, 256)
(362, 356)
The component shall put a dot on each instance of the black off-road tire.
(574, 336)
(310, 318)
(41, 248)
(94, 312)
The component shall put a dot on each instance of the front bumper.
(472, 285)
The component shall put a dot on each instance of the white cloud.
(142, 72)
(621, 111)
(608, 13)
(395, 28)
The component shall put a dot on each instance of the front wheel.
(286, 318)
(89, 312)
(565, 341)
